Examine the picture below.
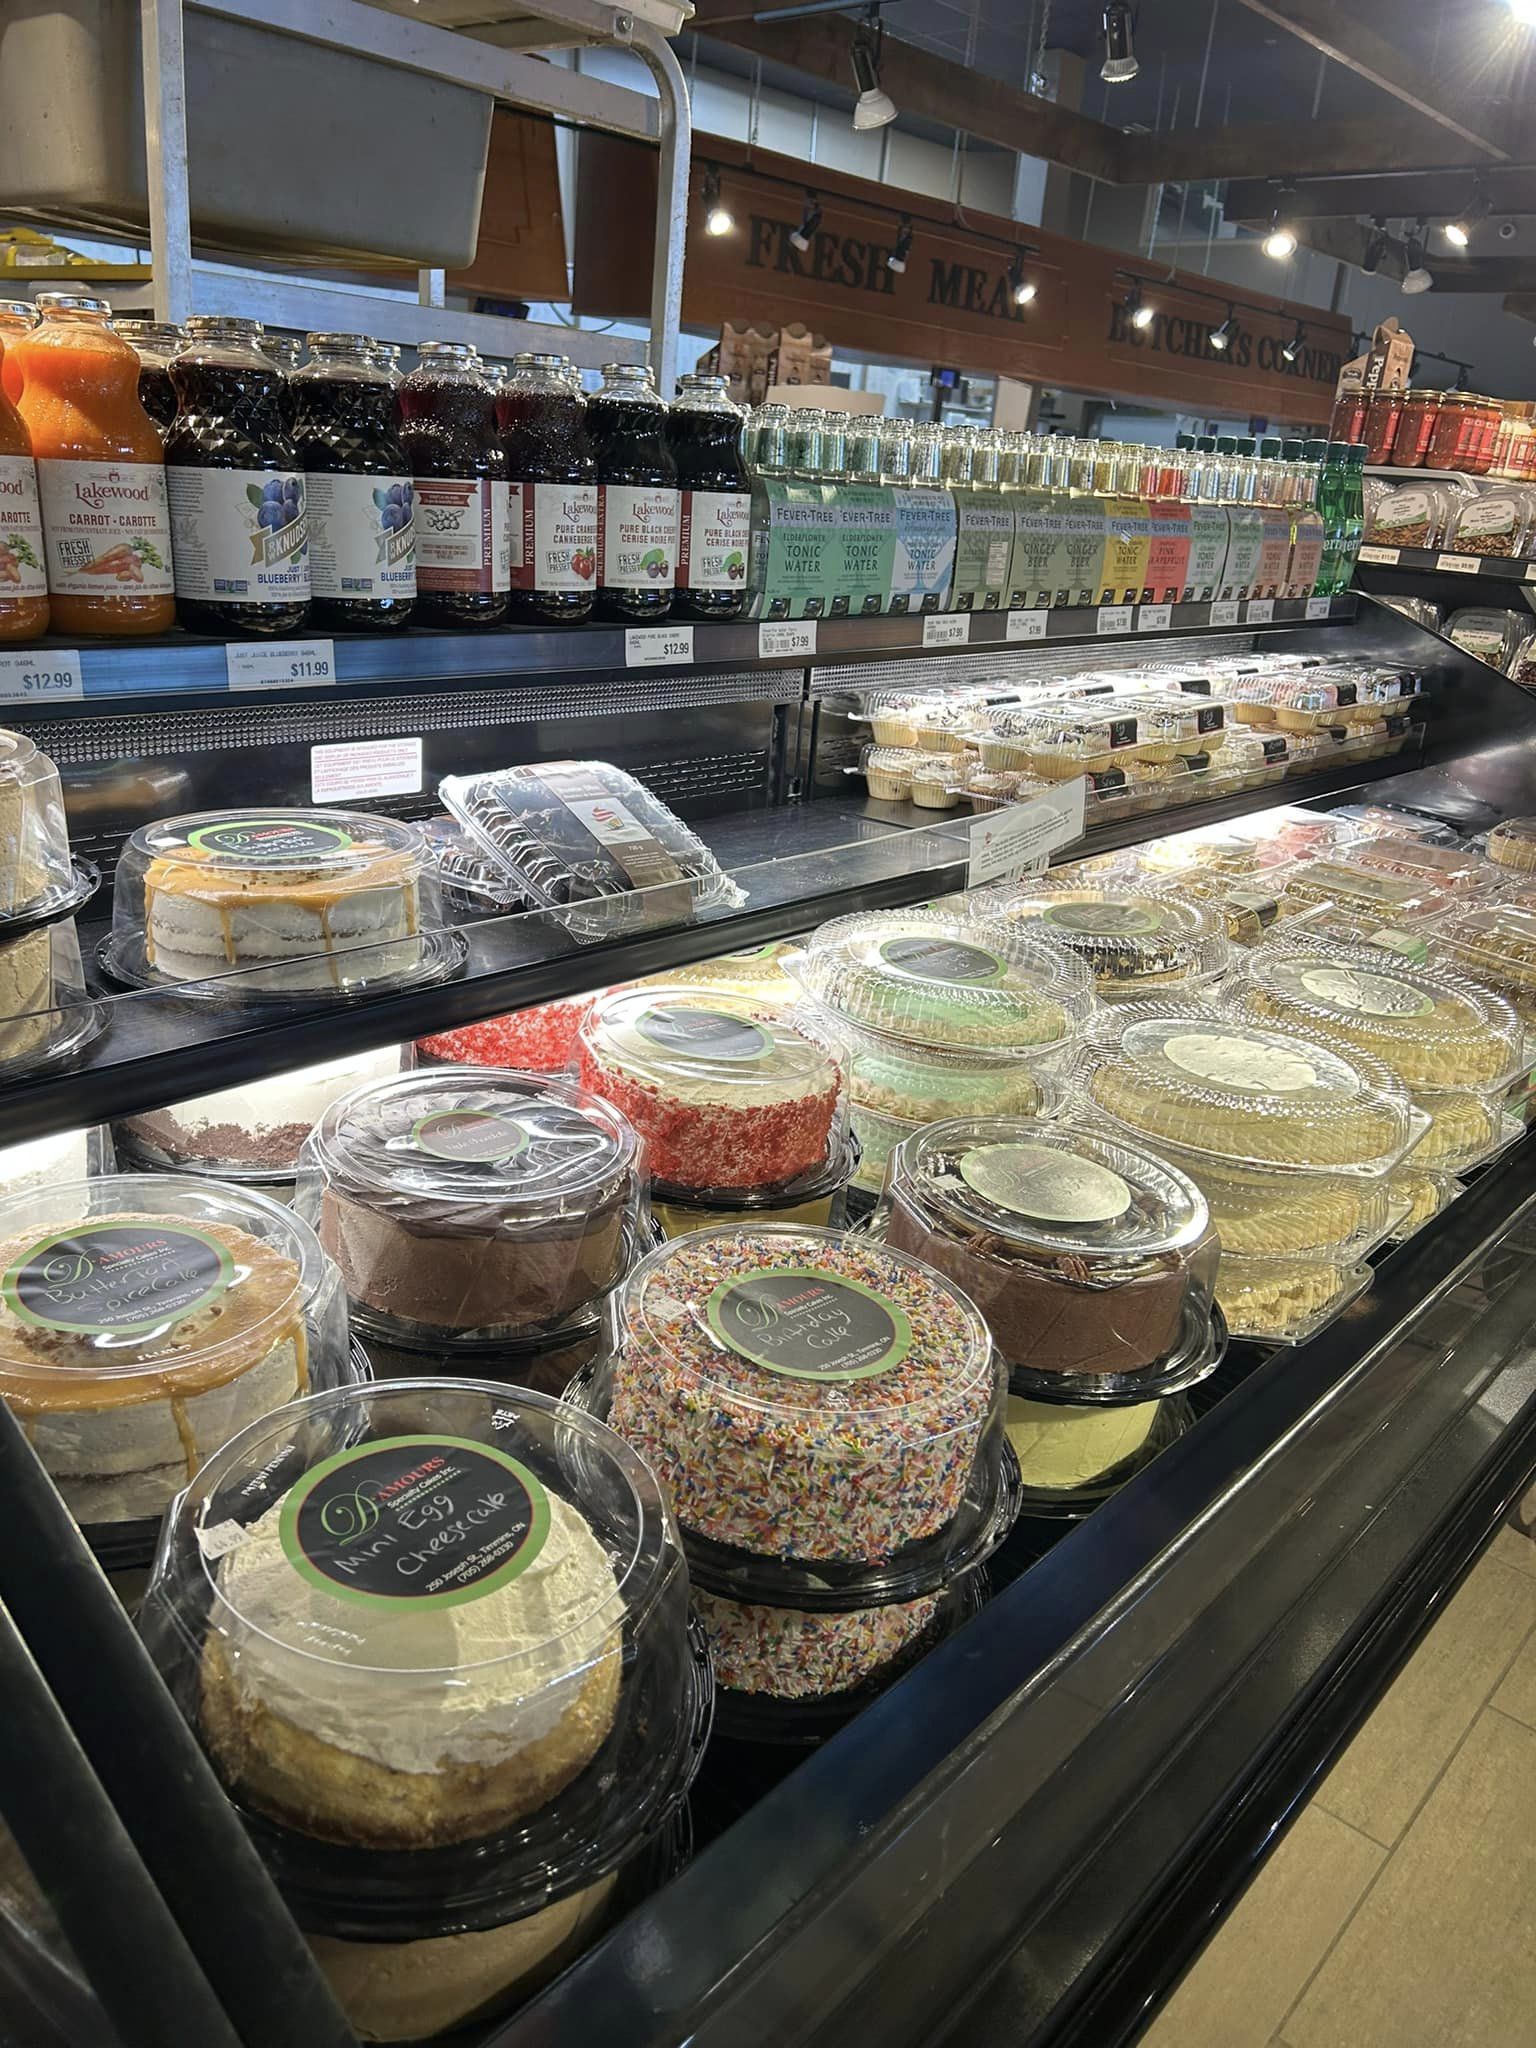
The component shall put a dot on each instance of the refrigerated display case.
(1024, 1837)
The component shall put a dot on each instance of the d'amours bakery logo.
(808, 1325)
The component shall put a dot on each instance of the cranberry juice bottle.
(154, 342)
(704, 429)
(362, 525)
(448, 433)
(637, 499)
(552, 492)
(238, 517)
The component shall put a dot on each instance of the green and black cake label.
(480, 1136)
(1107, 920)
(1047, 1186)
(117, 1278)
(942, 959)
(807, 1325)
(434, 1520)
(708, 1034)
(271, 842)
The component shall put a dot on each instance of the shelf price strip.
(45, 675)
(280, 665)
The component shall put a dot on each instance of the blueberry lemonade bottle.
(362, 525)
(552, 492)
(637, 497)
(239, 517)
(704, 427)
(459, 475)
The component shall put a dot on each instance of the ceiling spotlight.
(1221, 337)
(1292, 348)
(1120, 66)
(1280, 242)
(1139, 313)
(1375, 246)
(1457, 233)
(1023, 288)
(1524, 12)
(810, 221)
(1461, 227)
(897, 259)
(718, 217)
(875, 107)
(1416, 278)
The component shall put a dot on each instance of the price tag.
(1031, 625)
(946, 629)
(657, 646)
(1530, 572)
(1388, 557)
(1319, 607)
(1116, 618)
(1459, 565)
(340, 774)
(778, 637)
(1154, 618)
(1224, 612)
(280, 664)
(1260, 610)
(46, 675)
(1011, 842)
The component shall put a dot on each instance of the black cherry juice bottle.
(704, 429)
(552, 492)
(362, 499)
(154, 342)
(637, 497)
(458, 472)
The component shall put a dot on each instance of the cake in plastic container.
(254, 1129)
(591, 845)
(275, 902)
(1512, 843)
(1494, 945)
(1357, 893)
(803, 1394)
(433, 1638)
(938, 977)
(1069, 1454)
(877, 1135)
(144, 1319)
(1286, 1301)
(538, 1040)
(1466, 1129)
(1422, 1194)
(34, 1164)
(1238, 1092)
(789, 1653)
(922, 1082)
(46, 1016)
(1086, 1256)
(37, 875)
(1279, 1212)
(1136, 942)
(466, 1206)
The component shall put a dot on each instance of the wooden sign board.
(521, 250)
(954, 303)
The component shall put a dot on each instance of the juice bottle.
(926, 530)
(362, 526)
(448, 432)
(17, 317)
(23, 578)
(238, 509)
(154, 342)
(551, 490)
(864, 542)
(387, 355)
(100, 473)
(984, 546)
(286, 351)
(637, 496)
(704, 428)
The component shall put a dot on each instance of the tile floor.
(1400, 1910)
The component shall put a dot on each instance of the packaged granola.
(1412, 516)
(1495, 523)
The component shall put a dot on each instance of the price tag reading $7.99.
(45, 675)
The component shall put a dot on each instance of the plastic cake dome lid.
(1513, 842)
(692, 1041)
(130, 1288)
(1468, 876)
(942, 978)
(1345, 884)
(1229, 1089)
(807, 1324)
(489, 1139)
(35, 866)
(1122, 933)
(1049, 1188)
(1395, 1005)
(280, 847)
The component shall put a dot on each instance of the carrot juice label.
(107, 526)
(23, 551)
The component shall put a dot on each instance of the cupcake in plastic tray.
(1059, 740)
(1435, 1030)
(938, 780)
(994, 789)
(251, 1132)
(144, 1319)
(589, 844)
(1071, 1459)
(466, 1206)
(1252, 759)
(1169, 726)
(538, 1040)
(888, 772)
(1512, 844)
(1425, 1195)
(1301, 704)
(433, 1637)
(810, 1399)
(1465, 876)
(942, 978)
(1286, 1301)
(786, 1674)
(891, 716)
(39, 880)
(1136, 942)
(1231, 1091)
(1089, 1259)
(1465, 1129)
(47, 1020)
(726, 1093)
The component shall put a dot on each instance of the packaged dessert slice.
(591, 845)
(1136, 942)
(1361, 895)
(1286, 1301)
(433, 1638)
(144, 1319)
(466, 1206)
(1495, 945)
(1465, 876)
(1512, 844)
(938, 977)
(1092, 1262)
(234, 904)
(39, 880)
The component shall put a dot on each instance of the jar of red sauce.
(1350, 418)
(1381, 425)
(1457, 439)
(1416, 428)
(1490, 416)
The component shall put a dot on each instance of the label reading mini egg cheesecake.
(479, 1135)
(941, 959)
(435, 1520)
(1366, 995)
(710, 1034)
(807, 1325)
(1046, 1185)
(268, 841)
(1239, 1063)
(117, 1278)
(1106, 920)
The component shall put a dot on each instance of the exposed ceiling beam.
(1521, 304)
(1282, 149)
(1448, 99)
(1435, 194)
(1453, 274)
(934, 88)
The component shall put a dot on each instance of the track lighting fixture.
(1138, 312)
(1292, 348)
(718, 217)
(810, 221)
(1461, 227)
(902, 248)
(1416, 278)
(1023, 288)
(1280, 242)
(1119, 66)
(875, 107)
(1221, 337)
(1375, 245)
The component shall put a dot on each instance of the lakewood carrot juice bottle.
(16, 319)
(23, 582)
(100, 474)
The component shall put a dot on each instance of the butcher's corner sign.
(954, 301)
